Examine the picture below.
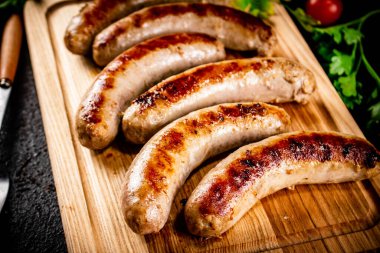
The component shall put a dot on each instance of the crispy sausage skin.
(257, 79)
(236, 29)
(254, 171)
(133, 72)
(97, 15)
(165, 162)
(90, 20)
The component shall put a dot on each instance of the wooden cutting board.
(339, 217)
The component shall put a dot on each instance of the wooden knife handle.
(10, 50)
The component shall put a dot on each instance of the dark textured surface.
(30, 220)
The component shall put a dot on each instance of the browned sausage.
(258, 79)
(236, 29)
(133, 72)
(97, 15)
(165, 162)
(254, 171)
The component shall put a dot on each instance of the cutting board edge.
(41, 52)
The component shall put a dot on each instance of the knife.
(10, 51)
(9, 54)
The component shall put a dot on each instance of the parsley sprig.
(345, 64)
(343, 53)
(344, 56)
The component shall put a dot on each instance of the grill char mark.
(90, 112)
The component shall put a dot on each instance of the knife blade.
(4, 187)
(4, 96)
(9, 55)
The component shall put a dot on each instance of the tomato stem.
(359, 21)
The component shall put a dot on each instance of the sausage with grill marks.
(258, 79)
(97, 15)
(165, 162)
(133, 72)
(254, 171)
(236, 29)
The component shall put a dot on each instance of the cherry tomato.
(326, 11)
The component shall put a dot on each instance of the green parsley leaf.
(324, 50)
(374, 93)
(341, 63)
(333, 32)
(348, 85)
(305, 20)
(258, 8)
(243, 5)
(351, 36)
(374, 123)
(316, 36)
(375, 111)
(352, 101)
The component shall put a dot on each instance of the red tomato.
(326, 11)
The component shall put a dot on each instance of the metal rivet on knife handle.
(5, 83)
(10, 50)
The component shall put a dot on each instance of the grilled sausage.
(133, 72)
(97, 15)
(165, 162)
(236, 29)
(262, 80)
(254, 171)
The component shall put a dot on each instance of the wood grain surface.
(337, 217)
